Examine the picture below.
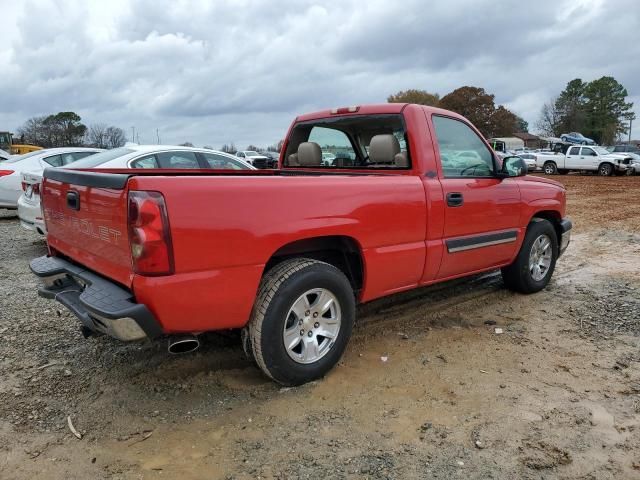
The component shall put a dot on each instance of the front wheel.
(534, 265)
(605, 170)
(301, 321)
(550, 168)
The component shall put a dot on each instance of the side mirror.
(513, 167)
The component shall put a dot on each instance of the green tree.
(521, 124)
(607, 110)
(421, 97)
(571, 107)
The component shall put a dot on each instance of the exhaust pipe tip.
(184, 344)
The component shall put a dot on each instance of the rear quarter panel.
(224, 230)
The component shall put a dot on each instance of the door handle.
(455, 199)
(73, 200)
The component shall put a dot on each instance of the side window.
(588, 152)
(462, 152)
(79, 155)
(54, 161)
(177, 160)
(145, 162)
(240, 154)
(336, 143)
(67, 158)
(222, 162)
(574, 151)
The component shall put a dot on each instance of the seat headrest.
(383, 148)
(309, 154)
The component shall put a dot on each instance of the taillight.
(35, 189)
(4, 173)
(24, 186)
(149, 234)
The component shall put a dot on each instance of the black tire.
(247, 348)
(550, 168)
(563, 171)
(279, 289)
(517, 276)
(605, 170)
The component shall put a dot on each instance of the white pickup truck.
(592, 158)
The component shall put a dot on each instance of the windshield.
(601, 150)
(100, 158)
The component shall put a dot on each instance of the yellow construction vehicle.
(6, 143)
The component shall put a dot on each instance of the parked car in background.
(328, 158)
(35, 162)
(253, 158)
(576, 137)
(625, 149)
(132, 156)
(581, 158)
(529, 160)
(272, 157)
(180, 255)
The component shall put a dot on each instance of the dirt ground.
(556, 395)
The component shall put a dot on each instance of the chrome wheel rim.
(548, 169)
(540, 257)
(604, 170)
(312, 326)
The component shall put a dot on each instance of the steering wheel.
(481, 164)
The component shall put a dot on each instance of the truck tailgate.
(86, 218)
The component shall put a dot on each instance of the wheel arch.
(341, 251)
(553, 216)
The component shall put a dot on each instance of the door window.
(588, 152)
(177, 160)
(573, 151)
(222, 162)
(145, 162)
(462, 152)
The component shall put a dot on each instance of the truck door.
(589, 159)
(482, 212)
(572, 160)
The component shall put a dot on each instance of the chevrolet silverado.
(416, 196)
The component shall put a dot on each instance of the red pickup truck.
(367, 201)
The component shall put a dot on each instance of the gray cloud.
(214, 72)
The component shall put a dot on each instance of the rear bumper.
(101, 305)
(31, 216)
(565, 237)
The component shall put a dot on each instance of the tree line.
(597, 109)
(474, 103)
(65, 129)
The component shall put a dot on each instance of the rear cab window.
(370, 142)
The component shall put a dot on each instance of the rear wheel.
(534, 265)
(605, 170)
(302, 320)
(550, 168)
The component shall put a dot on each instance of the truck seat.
(383, 150)
(309, 154)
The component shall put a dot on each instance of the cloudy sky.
(213, 71)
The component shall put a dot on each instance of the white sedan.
(131, 156)
(4, 156)
(36, 162)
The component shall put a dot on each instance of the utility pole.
(630, 124)
(133, 134)
(158, 136)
